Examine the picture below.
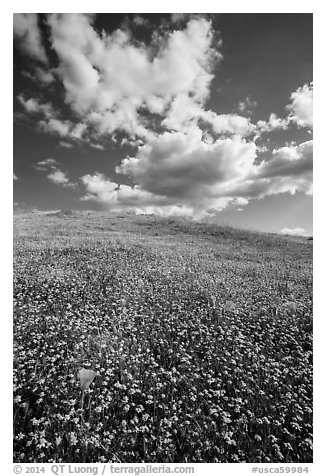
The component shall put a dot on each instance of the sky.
(207, 116)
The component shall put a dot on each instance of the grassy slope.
(208, 360)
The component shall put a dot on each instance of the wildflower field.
(199, 339)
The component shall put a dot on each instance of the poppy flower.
(86, 377)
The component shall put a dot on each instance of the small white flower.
(73, 438)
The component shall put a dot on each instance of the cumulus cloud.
(117, 197)
(185, 166)
(59, 177)
(56, 126)
(115, 82)
(288, 170)
(300, 112)
(274, 122)
(180, 166)
(187, 159)
(106, 192)
(301, 106)
(293, 231)
(28, 36)
(54, 173)
(184, 113)
(183, 171)
(230, 124)
(288, 161)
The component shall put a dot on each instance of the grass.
(200, 336)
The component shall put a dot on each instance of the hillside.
(200, 335)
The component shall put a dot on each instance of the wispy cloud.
(50, 121)
(293, 231)
(54, 173)
(140, 21)
(65, 145)
(34, 106)
(246, 106)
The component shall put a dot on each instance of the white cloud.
(185, 112)
(301, 106)
(188, 159)
(65, 129)
(288, 170)
(40, 75)
(246, 106)
(114, 84)
(28, 36)
(179, 17)
(58, 177)
(15, 177)
(34, 106)
(45, 76)
(78, 131)
(186, 173)
(107, 192)
(120, 81)
(65, 145)
(138, 20)
(124, 197)
(293, 231)
(274, 122)
(46, 164)
(183, 166)
(52, 124)
(56, 126)
(240, 201)
(288, 161)
(100, 189)
(230, 123)
(301, 112)
(97, 146)
(54, 173)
